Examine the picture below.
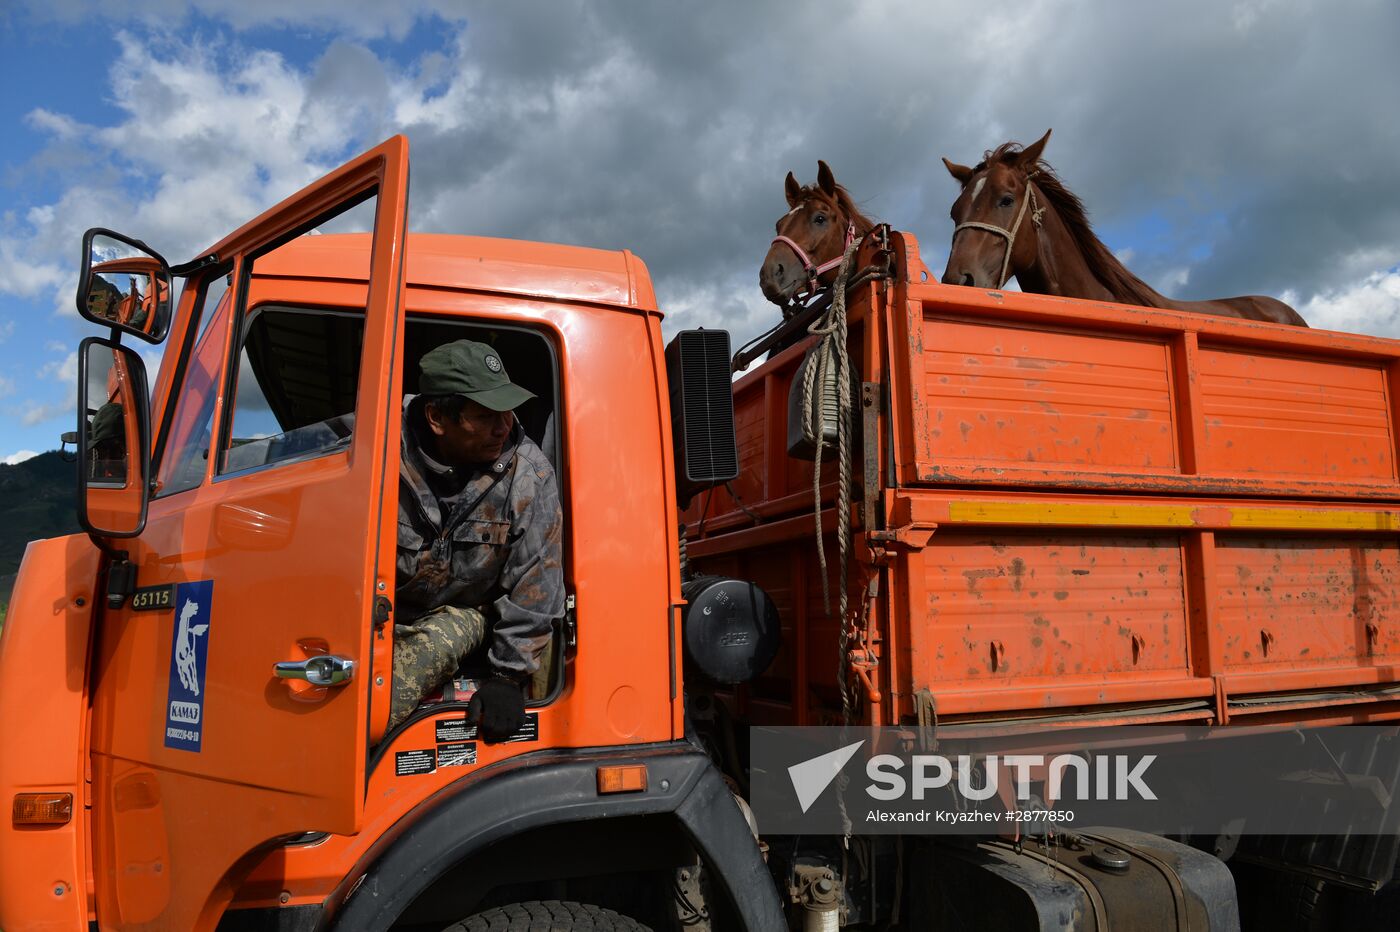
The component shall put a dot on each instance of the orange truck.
(1057, 508)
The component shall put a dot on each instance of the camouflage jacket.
(495, 546)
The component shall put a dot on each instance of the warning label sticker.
(408, 763)
(454, 729)
(457, 755)
(457, 729)
(530, 731)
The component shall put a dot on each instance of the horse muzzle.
(951, 277)
(779, 278)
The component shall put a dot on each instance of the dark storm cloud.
(1232, 147)
(1263, 129)
(667, 130)
(1261, 133)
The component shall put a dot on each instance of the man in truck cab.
(107, 443)
(479, 540)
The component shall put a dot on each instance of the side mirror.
(125, 284)
(114, 439)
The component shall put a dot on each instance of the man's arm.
(532, 578)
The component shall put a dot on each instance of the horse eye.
(1006, 201)
(819, 219)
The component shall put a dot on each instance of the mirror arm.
(108, 551)
(186, 269)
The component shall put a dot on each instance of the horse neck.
(1074, 263)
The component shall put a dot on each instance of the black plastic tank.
(730, 629)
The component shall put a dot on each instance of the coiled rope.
(831, 352)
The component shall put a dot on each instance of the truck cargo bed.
(1079, 508)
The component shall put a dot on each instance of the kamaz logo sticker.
(189, 653)
(185, 712)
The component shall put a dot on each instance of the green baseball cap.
(107, 423)
(473, 370)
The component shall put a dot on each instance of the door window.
(298, 369)
(185, 458)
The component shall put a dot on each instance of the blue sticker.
(189, 652)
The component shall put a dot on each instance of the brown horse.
(811, 239)
(1055, 252)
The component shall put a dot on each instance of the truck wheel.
(548, 916)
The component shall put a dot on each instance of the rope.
(685, 556)
(927, 711)
(831, 351)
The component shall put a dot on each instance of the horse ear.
(1031, 154)
(961, 173)
(825, 179)
(793, 190)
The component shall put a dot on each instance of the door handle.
(322, 670)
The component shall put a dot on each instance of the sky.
(1221, 147)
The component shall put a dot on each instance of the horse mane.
(845, 203)
(1123, 284)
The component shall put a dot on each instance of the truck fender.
(535, 791)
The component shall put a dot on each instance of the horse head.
(991, 240)
(811, 238)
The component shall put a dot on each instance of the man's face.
(478, 436)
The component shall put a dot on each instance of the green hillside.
(36, 501)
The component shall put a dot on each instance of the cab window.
(532, 361)
(183, 455)
(298, 370)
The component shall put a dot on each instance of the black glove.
(498, 707)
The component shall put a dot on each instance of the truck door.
(270, 534)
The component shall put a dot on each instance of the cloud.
(361, 18)
(1371, 305)
(209, 135)
(14, 459)
(61, 370)
(25, 277)
(668, 129)
(33, 413)
(55, 124)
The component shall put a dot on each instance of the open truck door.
(237, 679)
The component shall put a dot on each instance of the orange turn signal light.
(43, 808)
(622, 778)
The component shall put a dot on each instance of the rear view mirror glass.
(124, 284)
(113, 439)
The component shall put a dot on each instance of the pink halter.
(813, 270)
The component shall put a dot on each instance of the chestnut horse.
(1015, 217)
(812, 237)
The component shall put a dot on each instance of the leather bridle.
(813, 270)
(1010, 235)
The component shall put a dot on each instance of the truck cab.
(202, 784)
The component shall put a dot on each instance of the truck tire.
(548, 916)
